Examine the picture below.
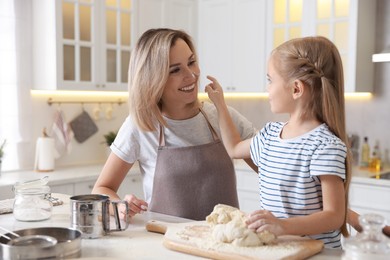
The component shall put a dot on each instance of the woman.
(174, 137)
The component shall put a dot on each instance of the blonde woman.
(303, 164)
(174, 137)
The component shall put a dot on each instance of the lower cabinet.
(370, 198)
(364, 196)
(248, 190)
(132, 184)
(63, 188)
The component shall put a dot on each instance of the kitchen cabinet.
(131, 185)
(81, 45)
(67, 188)
(231, 43)
(248, 190)
(175, 14)
(350, 24)
(373, 197)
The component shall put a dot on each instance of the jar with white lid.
(371, 243)
(32, 203)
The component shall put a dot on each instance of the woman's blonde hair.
(317, 63)
(148, 73)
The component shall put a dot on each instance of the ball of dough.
(228, 226)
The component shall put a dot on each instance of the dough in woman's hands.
(228, 226)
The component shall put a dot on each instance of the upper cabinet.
(175, 14)
(232, 43)
(86, 44)
(350, 24)
(82, 44)
(237, 36)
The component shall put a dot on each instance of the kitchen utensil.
(83, 127)
(90, 214)
(30, 240)
(195, 238)
(68, 244)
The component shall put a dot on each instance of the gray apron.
(190, 181)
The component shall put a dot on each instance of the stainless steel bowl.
(68, 244)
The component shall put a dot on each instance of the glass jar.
(371, 243)
(32, 203)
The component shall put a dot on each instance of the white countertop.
(59, 175)
(55, 177)
(133, 243)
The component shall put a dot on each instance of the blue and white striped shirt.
(289, 170)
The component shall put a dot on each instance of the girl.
(303, 163)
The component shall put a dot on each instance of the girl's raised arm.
(236, 148)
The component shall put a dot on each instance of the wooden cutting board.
(195, 238)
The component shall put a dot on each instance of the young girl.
(303, 163)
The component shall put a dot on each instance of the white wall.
(93, 150)
(366, 118)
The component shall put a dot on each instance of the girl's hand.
(262, 220)
(215, 92)
(136, 206)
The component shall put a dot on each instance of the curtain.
(15, 81)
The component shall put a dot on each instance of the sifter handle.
(116, 215)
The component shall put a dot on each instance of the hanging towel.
(62, 134)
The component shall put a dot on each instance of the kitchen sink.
(383, 176)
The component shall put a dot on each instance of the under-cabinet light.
(91, 95)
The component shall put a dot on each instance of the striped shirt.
(289, 171)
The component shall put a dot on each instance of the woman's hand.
(215, 92)
(136, 206)
(261, 220)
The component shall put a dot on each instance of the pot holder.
(83, 127)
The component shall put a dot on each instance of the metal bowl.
(68, 244)
(33, 240)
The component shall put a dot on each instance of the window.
(15, 81)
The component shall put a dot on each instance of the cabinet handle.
(90, 186)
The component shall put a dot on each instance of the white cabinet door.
(132, 185)
(67, 188)
(81, 45)
(370, 198)
(215, 41)
(248, 190)
(150, 14)
(249, 60)
(231, 43)
(349, 24)
(183, 15)
(175, 14)
(84, 187)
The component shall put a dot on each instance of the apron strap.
(161, 140)
(213, 132)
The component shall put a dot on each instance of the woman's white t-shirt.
(132, 144)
